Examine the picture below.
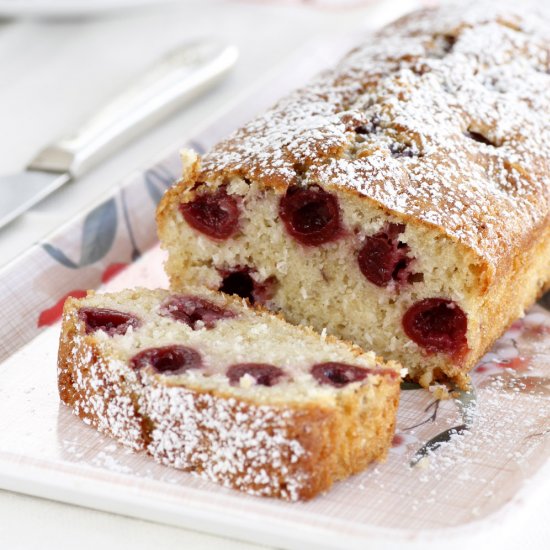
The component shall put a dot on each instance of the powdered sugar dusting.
(507, 416)
(438, 116)
(226, 440)
(97, 394)
(262, 439)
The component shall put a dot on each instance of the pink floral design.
(517, 363)
(51, 315)
(112, 270)
(401, 442)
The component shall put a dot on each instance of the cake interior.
(323, 286)
(236, 351)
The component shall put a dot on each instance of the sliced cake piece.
(204, 383)
(401, 200)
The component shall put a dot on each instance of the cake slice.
(401, 200)
(204, 383)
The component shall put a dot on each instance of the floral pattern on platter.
(520, 356)
(108, 242)
(402, 442)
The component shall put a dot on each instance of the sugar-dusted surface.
(242, 444)
(290, 440)
(449, 111)
(468, 479)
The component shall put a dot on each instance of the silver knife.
(178, 77)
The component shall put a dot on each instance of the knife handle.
(178, 77)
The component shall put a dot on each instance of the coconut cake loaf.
(204, 383)
(400, 200)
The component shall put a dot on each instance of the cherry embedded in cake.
(262, 374)
(107, 320)
(194, 311)
(207, 384)
(338, 374)
(311, 215)
(244, 282)
(238, 282)
(214, 214)
(173, 359)
(383, 258)
(437, 325)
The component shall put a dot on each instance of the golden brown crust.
(446, 139)
(79, 367)
(292, 452)
(526, 280)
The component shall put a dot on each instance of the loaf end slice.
(203, 383)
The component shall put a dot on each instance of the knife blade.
(177, 78)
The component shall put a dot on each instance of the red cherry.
(383, 258)
(216, 215)
(194, 311)
(263, 373)
(264, 291)
(437, 325)
(173, 359)
(397, 440)
(338, 374)
(108, 320)
(311, 215)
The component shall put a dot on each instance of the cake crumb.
(440, 392)
(247, 381)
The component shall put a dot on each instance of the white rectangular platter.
(480, 460)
